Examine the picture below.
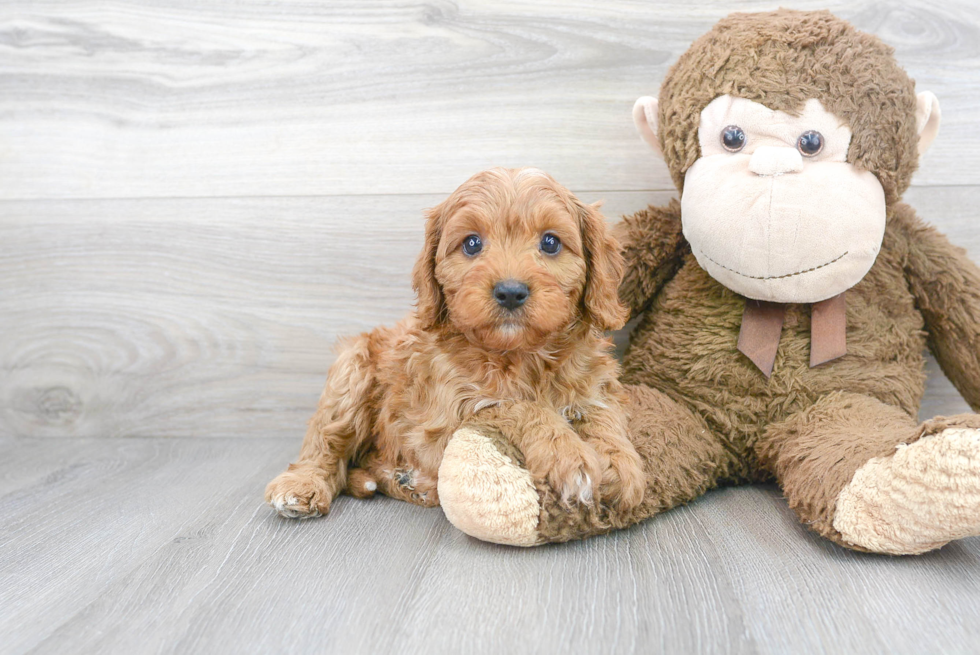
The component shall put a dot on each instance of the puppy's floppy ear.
(430, 306)
(605, 270)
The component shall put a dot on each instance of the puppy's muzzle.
(510, 294)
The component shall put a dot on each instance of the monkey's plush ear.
(605, 271)
(646, 121)
(430, 307)
(927, 117)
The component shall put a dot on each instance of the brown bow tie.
(762, 323)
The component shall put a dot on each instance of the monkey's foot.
(917, 499)
(486, 493)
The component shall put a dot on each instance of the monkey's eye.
(810, 143)
(733, 138)
(472, 245)
(550, 244)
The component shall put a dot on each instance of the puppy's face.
(516, 255)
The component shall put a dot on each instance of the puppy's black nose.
(510, 294)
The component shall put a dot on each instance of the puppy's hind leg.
(361, 483)
(393, 477)
(341, 424)
(362, 477)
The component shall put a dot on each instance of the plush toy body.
(786, 302)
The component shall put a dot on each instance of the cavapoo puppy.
(516, 283)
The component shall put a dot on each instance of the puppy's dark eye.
(733, 138)
(472, 245)
(810, 143)
(550, 244)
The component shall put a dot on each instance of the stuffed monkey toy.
(785, 303)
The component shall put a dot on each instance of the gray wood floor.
(197, 198)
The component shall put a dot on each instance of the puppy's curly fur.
(542, 371)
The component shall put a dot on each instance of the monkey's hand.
(946, 286)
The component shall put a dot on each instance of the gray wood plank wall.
(198, 197)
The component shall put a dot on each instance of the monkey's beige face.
(511, 263)
(772, 209)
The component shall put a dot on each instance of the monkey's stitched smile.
(776, 277)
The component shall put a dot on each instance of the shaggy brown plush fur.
(394, 396)
(702, 413)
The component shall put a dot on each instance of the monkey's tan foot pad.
(921, 497)
(486, 493)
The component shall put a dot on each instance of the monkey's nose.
(510, 294)
(775, 160)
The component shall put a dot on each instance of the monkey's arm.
(946, 286)
(653, 248)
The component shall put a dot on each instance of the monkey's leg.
(340, 425)
(866, 476)
(486, 491)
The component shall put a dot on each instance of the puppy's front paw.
(624, 480)
(300, 492)
(570, 466)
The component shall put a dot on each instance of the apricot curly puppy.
(516, 283)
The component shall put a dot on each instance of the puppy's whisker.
(547, 355)
(486, 402)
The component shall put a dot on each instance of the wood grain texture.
(163, 545)
(133, 99)
(218, 317)
(203, 317)
(198, 198)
